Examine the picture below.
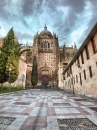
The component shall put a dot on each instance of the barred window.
(87, 53)
(90, 71)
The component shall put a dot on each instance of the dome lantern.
(45, 32)
(45, 28)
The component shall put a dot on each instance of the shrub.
(5, 88)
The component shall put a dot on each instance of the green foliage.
(12, 63)
(9, 58)
(34, 74)
(3, 76)
(5, 89)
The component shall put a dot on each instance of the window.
(90, 71)
(64, 77)
(82, 58)
(87, 53)
(48, 45)
(41, 45)
(76, 78)
(72, 81)
(84, 74)
(67, 73)
(78, 63)
(70, 70)
(45, 45)
(93, 45)
(80, 79)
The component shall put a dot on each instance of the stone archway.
(45, 80)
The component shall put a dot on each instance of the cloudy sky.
(71, 20)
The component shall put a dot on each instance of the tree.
(3, 76)
(9, 57)
(34, 74)
(13, 61)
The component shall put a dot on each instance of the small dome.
(45, 32)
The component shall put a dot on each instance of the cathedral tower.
(45, 47)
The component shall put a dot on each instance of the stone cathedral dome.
(45, 32)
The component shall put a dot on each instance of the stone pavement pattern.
(47, 110)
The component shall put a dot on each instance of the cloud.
(65, 17)
(2, 32)
(21, 35)
(27, 7)
(79, 29)
(76, 5)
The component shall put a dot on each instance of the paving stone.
(76, 124)
(5, 99)
(56, 97)
(5, 122)
(79, 99)
(94, 108)
(40, 109)
(61, 104)
(66, 110)
(22, 103)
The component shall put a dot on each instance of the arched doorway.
(45, 80)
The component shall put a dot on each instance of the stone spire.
(27, 44)
(45, 28)
(75, 47)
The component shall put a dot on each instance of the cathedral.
(49, 58)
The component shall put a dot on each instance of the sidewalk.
(47, 110)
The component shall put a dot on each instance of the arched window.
(45, 45)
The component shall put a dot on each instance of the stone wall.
(28, 75)
(60, 76)
(21, 80)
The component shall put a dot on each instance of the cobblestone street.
(47, 110)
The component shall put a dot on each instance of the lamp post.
(9, 78)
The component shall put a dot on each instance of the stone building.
(66, 55)
(80, 75)
(49, 55)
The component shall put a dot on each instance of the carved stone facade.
(49, 55)
(46, 49)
